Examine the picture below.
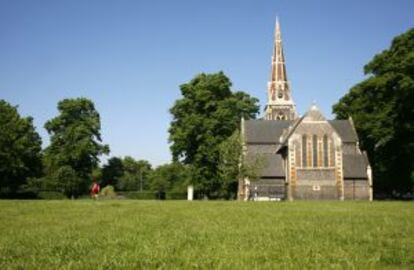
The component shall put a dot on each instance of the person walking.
(95, 190)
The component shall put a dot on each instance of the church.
(301, 157)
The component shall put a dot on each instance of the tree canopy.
(136, 174)
(206, 115)
(234, 165)
(383, 112)
(112, 171)
(75, 143)
(20, 148)
(173, 177)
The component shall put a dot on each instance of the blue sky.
(130, 57)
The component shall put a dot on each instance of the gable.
(313, 115)
(314, 122)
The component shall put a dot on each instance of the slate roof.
(265, 131)
(355, 166)
(272, 164)
(344, 129)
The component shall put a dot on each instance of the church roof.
(269, 132)
(265, 131)
(271, 164)
(345, 130)
(355, 166)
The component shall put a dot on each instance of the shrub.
(107, 192)
(136, 195)
(176, 196)
(19, 195)
(50, 195)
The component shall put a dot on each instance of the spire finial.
(314, 107)
(277, 28)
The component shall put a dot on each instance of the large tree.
(173, 177)
(75, 144)
(135, 175)
(382, 109)
(20, 148)
(112, 171)
(206, 115)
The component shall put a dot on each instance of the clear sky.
(130, 57)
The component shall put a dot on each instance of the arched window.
(315, 150)
(325, 151)
(304, 151)
(280, 94)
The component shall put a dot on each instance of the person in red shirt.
(95, 189)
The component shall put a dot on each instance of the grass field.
(208, 235)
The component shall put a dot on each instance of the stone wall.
(315, 174)
(319, 176)
(268, 187)
(315, 184)
(356, 189)
(315, 192)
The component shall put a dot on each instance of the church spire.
(278, 58)
(280, 105)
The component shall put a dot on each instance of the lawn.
(209, 235)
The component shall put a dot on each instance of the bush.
(50, 195)
(136, 195)
(107, 192)
(18, 195)
(176, 196)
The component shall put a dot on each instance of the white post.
(190, 193)
(369, 173)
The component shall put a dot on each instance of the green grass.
(208, 235)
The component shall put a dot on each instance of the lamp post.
(140, 180)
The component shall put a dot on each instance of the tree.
(136, 174)
(20, 148)
(112, 172)
(230, 153)
(207, 114)
(172, 177)
(75, 144)
(235, 166)
(383, 112)
(67, 181)
(97, 174)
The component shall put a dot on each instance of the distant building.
(306, 157)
